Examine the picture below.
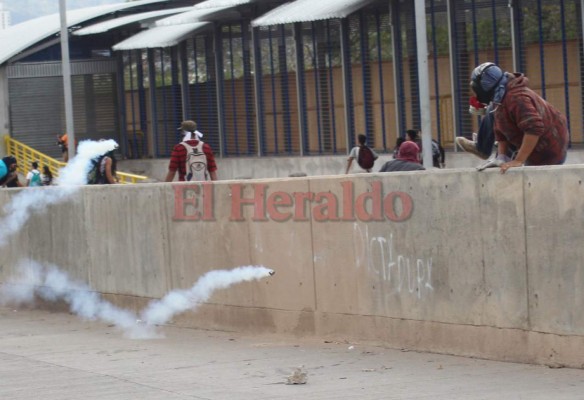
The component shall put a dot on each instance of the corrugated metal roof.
(21, 36)
(310, 10)
(192, 16)
(221, 3)
(160, 36)
(128, 19)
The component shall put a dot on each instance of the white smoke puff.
(51, 284)
(21, 287)
(161, 311)
(75, 173)
(23, 204)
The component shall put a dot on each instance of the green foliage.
(551, 22)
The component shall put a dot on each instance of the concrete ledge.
(503, 344)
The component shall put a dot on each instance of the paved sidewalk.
(56, 356)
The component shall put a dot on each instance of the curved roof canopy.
(221, 3)
(309, 10)
(194, 15)
(160, 36)
(19, 37)
(127, 20)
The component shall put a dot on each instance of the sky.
(22, 10)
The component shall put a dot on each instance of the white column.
(424, 83)
(66, 71)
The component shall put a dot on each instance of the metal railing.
(26, 155)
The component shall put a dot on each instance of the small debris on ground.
(298, 377)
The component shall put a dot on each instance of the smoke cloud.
(161, 311)
(34, 280)
(47, 282)
(50, 284)
(23, 204)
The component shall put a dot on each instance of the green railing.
(26, 155)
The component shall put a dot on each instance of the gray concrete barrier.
(450, 261)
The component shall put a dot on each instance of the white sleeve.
(29, 175)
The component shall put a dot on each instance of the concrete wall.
(448, 261)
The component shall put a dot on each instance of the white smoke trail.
(51, 284)
(74, 174)
(161, 311)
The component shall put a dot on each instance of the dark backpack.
(94, 176)
(365, 159)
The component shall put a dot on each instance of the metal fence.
(309, 88)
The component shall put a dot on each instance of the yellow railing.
(25, 155)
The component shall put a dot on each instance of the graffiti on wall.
(404, 274)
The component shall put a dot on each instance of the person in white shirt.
(34, 178)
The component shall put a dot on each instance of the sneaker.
(469, 146)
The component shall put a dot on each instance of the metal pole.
(257, 77)
(515, 42)
(581, 22)
(218, 53)
(397, 76)
(349, 126)
(66, 71)
(454, 85)
(299, 53)
(424, 83)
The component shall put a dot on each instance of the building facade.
(264, 78)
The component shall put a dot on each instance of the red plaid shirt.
(523, 112)
(178, 158)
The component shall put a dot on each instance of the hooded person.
(10, 177)
(487, 82)
(406, 159)
(4, 167)
(521, 118)
(7, 165)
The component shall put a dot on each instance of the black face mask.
(484, 96)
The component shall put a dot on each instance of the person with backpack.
(34, 178)
(192, 158)
(103, 170)
(364, 155)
